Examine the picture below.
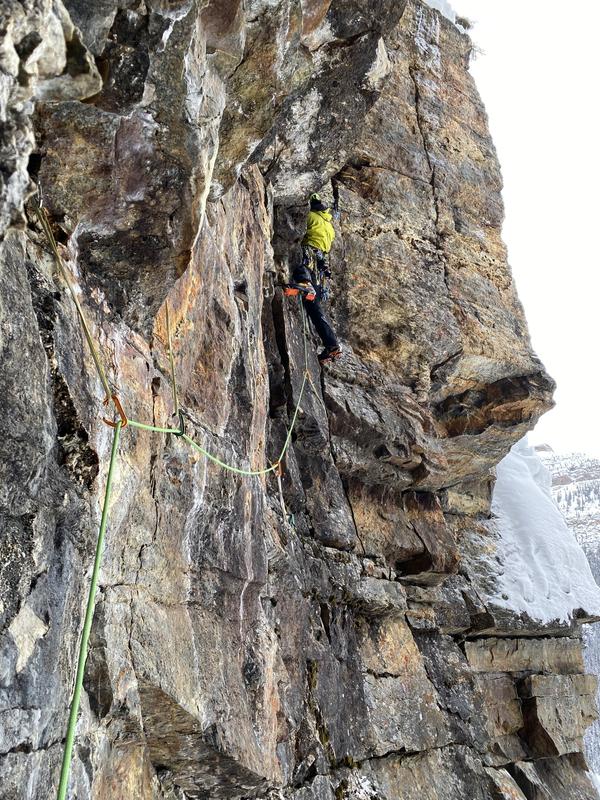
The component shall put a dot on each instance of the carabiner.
(121, 413)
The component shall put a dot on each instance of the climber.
(313, 272)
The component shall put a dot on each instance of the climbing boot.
(330, 354)
(300, 287)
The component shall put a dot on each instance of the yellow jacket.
(319, 230)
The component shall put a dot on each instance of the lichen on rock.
(331, 633)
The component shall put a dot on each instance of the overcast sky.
(538, 77)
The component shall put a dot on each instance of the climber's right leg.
(314, 312)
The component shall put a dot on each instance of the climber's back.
(320, 232)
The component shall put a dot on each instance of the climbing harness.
(122, 422)
(319, 267)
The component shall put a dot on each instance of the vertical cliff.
(342, 637)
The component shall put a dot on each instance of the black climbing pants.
(314, 311)
(313, 308)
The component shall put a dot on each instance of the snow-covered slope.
(576, 489)
(546, 573)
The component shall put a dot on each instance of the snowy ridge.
(575, 483)
(546, 573)
(579, 499)
(570, 466)
(576, 489)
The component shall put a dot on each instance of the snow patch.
(546, 573)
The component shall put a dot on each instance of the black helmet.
(316, 204)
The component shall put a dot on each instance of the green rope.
(288, 438)
(251, 472)
(89, 613)
(87, 625)
(229, 467)
(41, 213)
(196, 446)
(145, 427)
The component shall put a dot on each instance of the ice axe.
(336, 198)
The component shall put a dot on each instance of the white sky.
(539, 79)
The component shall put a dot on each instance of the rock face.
(328, 636)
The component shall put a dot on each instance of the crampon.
(330, 354)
